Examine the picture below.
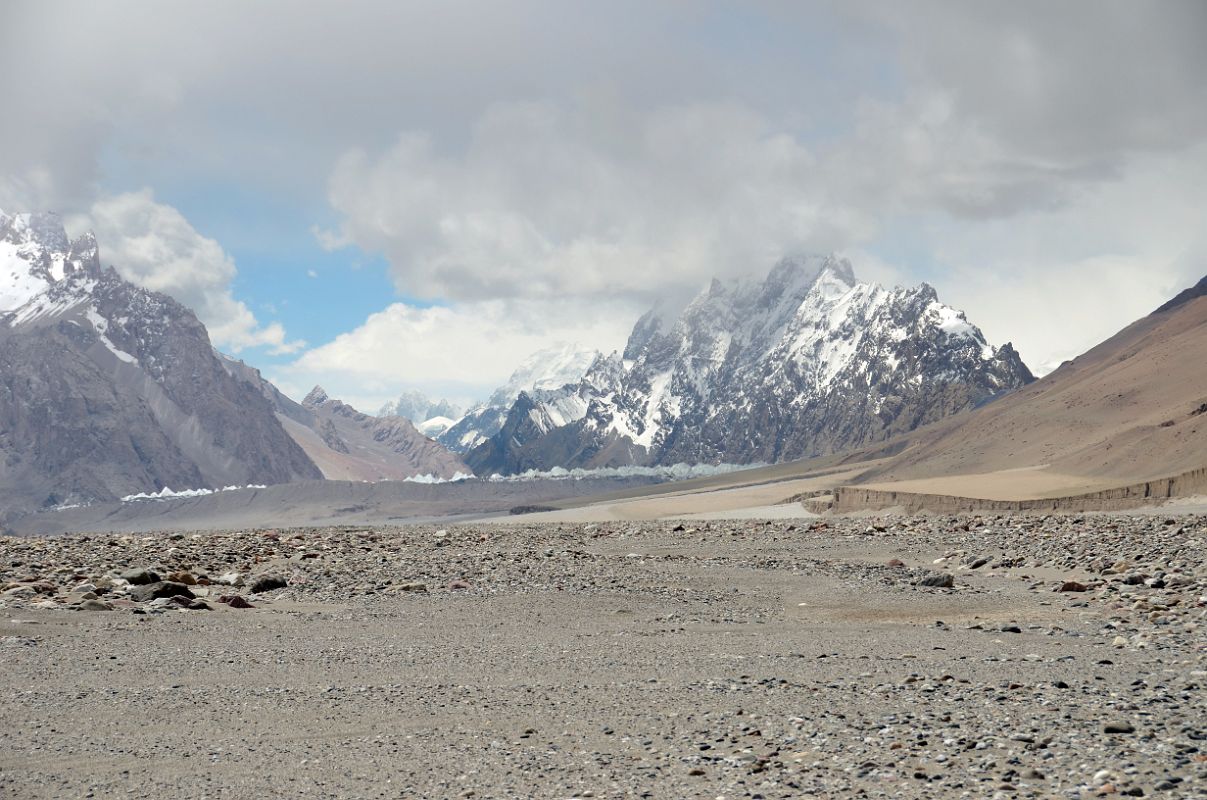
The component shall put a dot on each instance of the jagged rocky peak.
(793, 275)
(418, 408)
(546, 370)
(605, 370)
(317, 396)
(647, 327)
(549, 368)
(347, 445)
(40, 240)
(318, 400)
(109, 389)
(35, 254)
(84, 255)
(44, 228)
(803, 362)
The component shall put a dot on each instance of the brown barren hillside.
(1131, 409)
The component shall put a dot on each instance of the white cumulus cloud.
(153, 245)
(462, 351)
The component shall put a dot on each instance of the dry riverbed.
(733, 659)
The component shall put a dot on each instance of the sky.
(384, 196)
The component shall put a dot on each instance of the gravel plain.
(944, 657)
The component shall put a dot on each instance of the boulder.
(139, 577)
(266, 583)
(154, 591)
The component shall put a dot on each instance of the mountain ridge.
(807, 361)
(1132, 408)
(548, 369)
(109, 389)
(346, 444)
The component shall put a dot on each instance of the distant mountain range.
(546, 370)
(1132, 408)
(431, 417)
(346, 444)
(807, 362)
(107, 389)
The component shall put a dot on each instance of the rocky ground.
(889, 657)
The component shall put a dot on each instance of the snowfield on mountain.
(809, 361)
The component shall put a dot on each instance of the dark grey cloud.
(1075, 81)
(1049, 93)
(273, 93)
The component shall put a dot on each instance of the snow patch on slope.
(456, 478)
(101, 325)
(168, 494)
(673, 472)
(18, 283)
(431, 428)
(545, 370)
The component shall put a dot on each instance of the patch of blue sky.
(906, 243)
(284, 274)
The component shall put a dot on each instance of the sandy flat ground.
(1028, 483)
(1194, 504)
(739, 502)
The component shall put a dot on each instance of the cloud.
(1071, 82)
(153, 245)
(1058, 281)
(1027, 113)
(137, 87)
(590, 202)
(585, 152)
(592, 199)
(462, 351)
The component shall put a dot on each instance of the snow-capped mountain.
(419, 408)
(545, 371)
(358, 446)
(35, 254)
(433, 427)
(108, 389)
(807, 362)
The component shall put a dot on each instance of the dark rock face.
(805, 363)
(267, 583)
(154, 591)
(107, 389)
(330, 435)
